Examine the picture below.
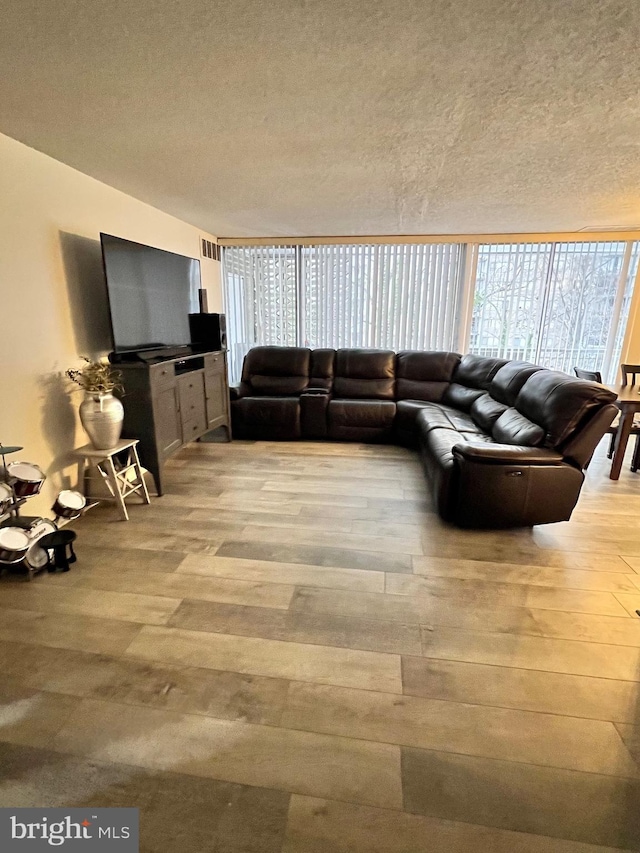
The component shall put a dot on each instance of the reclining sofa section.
(504, 443)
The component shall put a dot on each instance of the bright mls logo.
(34, 830)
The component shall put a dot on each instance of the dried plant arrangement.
(97, 378)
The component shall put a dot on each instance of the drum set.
(20, 535)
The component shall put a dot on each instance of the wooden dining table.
(629, 403)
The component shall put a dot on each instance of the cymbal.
(9, 449)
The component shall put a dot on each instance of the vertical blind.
(390, 296)
(561, 305)
(261, 300)
(507, 307)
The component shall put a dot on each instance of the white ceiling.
(338, 117)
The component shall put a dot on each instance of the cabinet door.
(166, 409)
(216, 394)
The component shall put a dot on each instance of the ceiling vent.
(209, 249)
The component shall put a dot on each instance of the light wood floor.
(290, 653)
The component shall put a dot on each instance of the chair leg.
(612, 445)
(635, 462)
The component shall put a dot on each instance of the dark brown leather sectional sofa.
(504, 444)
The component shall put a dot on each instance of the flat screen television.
(151, 294)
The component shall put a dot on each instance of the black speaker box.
(208, 332)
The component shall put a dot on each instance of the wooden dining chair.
(592, 375)
(596, 376)
(629, 370)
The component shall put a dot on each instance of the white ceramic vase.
(101, 416)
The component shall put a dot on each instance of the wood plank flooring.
(290, 653)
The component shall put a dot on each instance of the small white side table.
(115, 472)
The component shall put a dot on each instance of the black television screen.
(151, 294)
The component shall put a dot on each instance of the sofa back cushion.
(476, 371)
(560, 403)
(514, 428)
(424, 375)
(485, 411)
(279, 371)
(322, 368)
(506, 384)
(471, 377)
(364, 374)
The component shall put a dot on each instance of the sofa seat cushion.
(438, 416)
(361, 420)
(406, 413)
(269, 418)
(424, 375)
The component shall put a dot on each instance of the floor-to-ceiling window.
(560, 304)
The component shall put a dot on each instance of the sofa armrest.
(507, 454)
(238, 391)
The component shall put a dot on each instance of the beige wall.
(52, 297)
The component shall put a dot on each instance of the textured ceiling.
(338, 117)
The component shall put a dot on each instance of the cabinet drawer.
(214, 362)
(191, 388)
(162, 375)
(193, 408)
(193, 428)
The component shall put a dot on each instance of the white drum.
(36, 557)
(14, 544)
(69, 504)
(28, 478)
(6, 498)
